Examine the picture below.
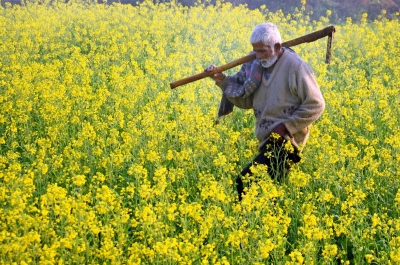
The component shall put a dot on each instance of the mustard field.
(102, 163)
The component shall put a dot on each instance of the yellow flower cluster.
(102, 163)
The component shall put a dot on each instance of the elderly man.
(281, 89)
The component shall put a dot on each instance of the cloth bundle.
(254, 72)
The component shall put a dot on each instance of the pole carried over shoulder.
(328, 31)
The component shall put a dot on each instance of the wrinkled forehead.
(261, 47)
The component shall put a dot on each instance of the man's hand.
(217, 77)
(280, 129)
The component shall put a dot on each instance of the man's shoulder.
(292, 56)
(292, 59)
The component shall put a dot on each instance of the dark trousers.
(277, 159)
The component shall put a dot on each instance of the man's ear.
(277, 47)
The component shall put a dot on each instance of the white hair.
(267, 33)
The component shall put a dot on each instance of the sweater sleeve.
(237, 80)
(303, 84)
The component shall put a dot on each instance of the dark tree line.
(341, 9)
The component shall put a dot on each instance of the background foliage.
(340, 9)
(101, 162)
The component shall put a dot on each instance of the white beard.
(266, 63)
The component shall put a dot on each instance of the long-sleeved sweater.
(290, 96)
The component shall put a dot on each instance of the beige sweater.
(290, 95)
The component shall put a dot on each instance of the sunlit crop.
(102, 163)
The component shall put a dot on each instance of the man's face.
(265, 54)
